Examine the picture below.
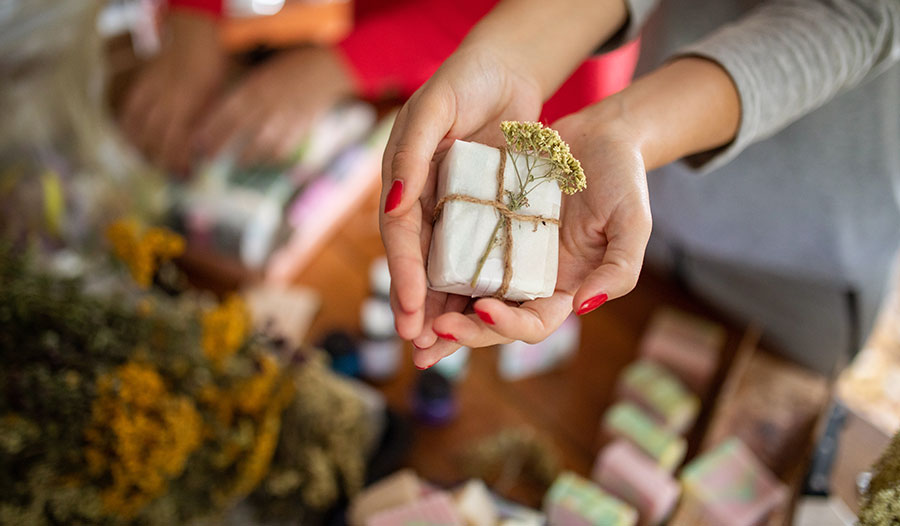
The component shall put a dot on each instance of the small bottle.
(380, 350)
(380, 278)
(343, 351)
(432, 398)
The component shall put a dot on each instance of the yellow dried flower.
(255, 465)
(253, 394)
(534, 139)
(140, 437)
(225, 329)
(143, 250)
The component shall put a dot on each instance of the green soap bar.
(628, 421)
(586, 500)
(663, 393)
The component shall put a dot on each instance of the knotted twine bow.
(507, 215)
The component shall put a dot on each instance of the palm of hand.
(602, 238)
(445, 108)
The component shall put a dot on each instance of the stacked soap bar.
(687, 345)
(402, 499)
(626, 472)
(575, 501)
(433, 510)
(626, 421)
(467, 230)
(399, 489)
(661, 393)
(475, 504)
(728, 486)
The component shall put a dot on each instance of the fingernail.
(448, 337)
(592, 304)
(417, 346)
(394, 196)
(485, 317)
(422, 368)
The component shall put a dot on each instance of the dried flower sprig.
(534, 139)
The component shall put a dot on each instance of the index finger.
(420, 126)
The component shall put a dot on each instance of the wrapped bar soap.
(728, 486)
(687, 345)
(626, 472)
(435, 509)
(625, 420)
(661, 393)
(575, 501)
(403, 487)
(496, 230)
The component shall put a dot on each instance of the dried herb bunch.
(881, 504)
(132, 406)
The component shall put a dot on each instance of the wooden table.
(564, 406)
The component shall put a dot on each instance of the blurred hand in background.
(264, 118)
(178, 109)
(169, 94)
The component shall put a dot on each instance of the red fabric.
(212, 7)
(597, 78)
(397, 44)
(394, 50)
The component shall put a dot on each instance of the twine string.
(507, 216)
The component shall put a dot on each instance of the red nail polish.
(394, 196)
(485, 317)
(448, 337)
(592, 304)
(421, 368)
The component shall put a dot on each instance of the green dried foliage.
(882, 509)
(881, 503)
(513, 455)
(57, 343)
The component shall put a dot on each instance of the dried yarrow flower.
(534, 139)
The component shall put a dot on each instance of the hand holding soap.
(496, 230)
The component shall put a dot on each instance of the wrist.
(546, 41)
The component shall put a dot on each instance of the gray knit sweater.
(810, 186)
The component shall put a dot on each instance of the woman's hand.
(467, 98)
(603, 234)
(265, 117)
(171, 91)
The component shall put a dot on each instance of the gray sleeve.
(789, 57)
(638, 13)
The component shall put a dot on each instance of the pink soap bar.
(729, 486)
(626, 472)
(687, 345)
(402, 487)
(435, 509)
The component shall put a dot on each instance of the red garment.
(396, 45)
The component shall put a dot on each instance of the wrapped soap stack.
(644, 431)
(403, 499)
(246, 213)
(496, 230)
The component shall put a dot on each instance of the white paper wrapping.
(463, 231)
